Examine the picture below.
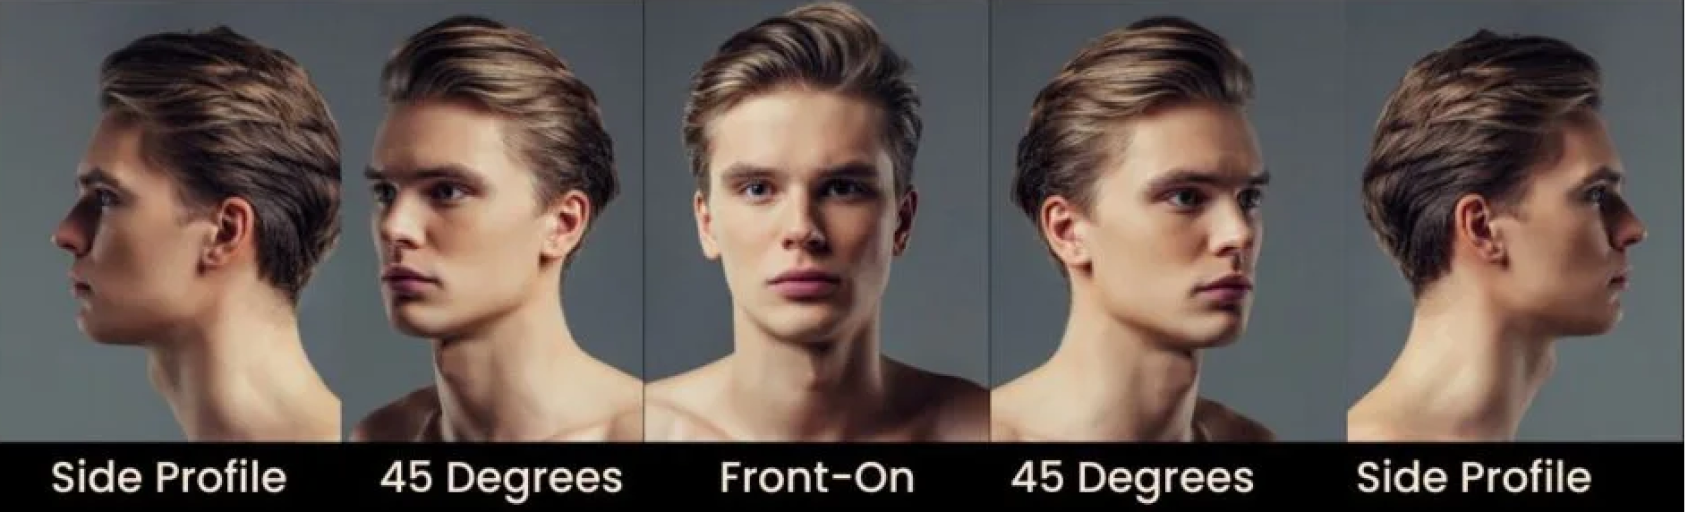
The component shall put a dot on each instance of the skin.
(1482, 340)
(802, 179)
(1175, 209)
(457, 206)
(223, 345)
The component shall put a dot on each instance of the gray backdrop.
(1284, 370)
(1623, 386)
(57, 385)
(935, 309)
(1328, 299)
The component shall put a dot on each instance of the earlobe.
(704, 226)
(904, 214)
(1065, 232)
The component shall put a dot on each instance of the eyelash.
(829, 189)
(1250, 199)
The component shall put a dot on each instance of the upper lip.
(399, 273)
(1228, 281)
(77, 282)
(805, 275)
(1620, 277)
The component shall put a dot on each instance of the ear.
(705, 227)
(568, 216)
(1474, 229)
(1066, 231)
(233, 220)
(904, 213)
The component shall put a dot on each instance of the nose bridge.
(798, 217)
(394, 222)
(1233, 228)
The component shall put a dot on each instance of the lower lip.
(408, 287)
(1225, 295)
(805, 289)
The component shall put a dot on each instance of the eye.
(1185, 198)
(1597, 194)
(755, 189)
(446, 192)
(845, 189)
(384, 193)
(1251, 199)
(105, 198)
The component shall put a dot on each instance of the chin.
(414, 319)
(1213, 331)
(106, 334)
(804, 323)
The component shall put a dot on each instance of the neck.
(807, 390)
(1123, 383)
(240, 373)
(498, 382)
(1472, 371)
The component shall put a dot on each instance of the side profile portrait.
(1493, 182)
(802, 131)
(208, 195)
(1143, 177)
(489, 169)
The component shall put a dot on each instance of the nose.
(1629, 231)
(801, 226)
(71, 235)
(1236, 233)
(396, 226)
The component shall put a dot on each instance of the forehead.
(433, 134)
(117, 149)
(1580, 147)
(1190, 137)
(797, 130)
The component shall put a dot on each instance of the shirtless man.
(1493, 183)
(488, 171)
(802, 132)
(208, 195)
(1142, 174)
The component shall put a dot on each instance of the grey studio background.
(1622, 386)
(934, 309)
(1285, 371)
(59, 386)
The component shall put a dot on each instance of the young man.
(1142, 174)
(802, 132)
(488, 171)
(1493, 182)
(209, 193)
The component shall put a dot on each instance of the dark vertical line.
(989, 211)
(643, 216)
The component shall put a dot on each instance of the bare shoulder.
(399, 420)
(1225, 424)
(957, 409)
(673, 407)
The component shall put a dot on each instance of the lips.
(805, 285)
(1226, 291)
(406, 282)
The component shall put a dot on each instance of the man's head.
(1491, 164)
(802, 132)
(490, 167)
(215, 164)
(1142, 174)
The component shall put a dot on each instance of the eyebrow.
(1604, 174)
(97, 176)
(448, 171)
(1205, 177)
(742, 171)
